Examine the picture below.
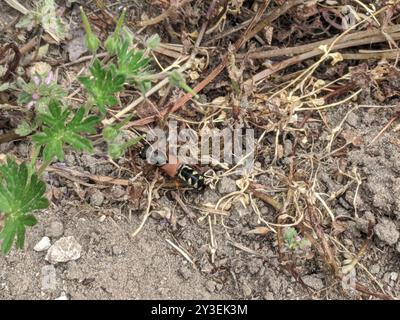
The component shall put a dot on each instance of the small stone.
(49, 281)
(185, 272)
(210, 286)
(63, 250)
(363, 223)
(313, 282)
(394, 276)
(90, 162)
(70, 160)
(240, 210)
(102, 218)
(269, 296)
(386, 278)
(117, 250)
(398, 247)
(55, 229)
(375, 268)
(255, 266)
(97, 198)
(210, 196)
(118, 192)
(63, 296)
(42, 245)
(387, 232)
(23, 149)
(247, 291)
(226, 185)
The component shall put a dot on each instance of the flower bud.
(110, 133)
(115, 150)
(92, 42)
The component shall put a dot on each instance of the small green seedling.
(177, 80)
(293, 241)
(117, 148)
(103, 84)
(116, 143)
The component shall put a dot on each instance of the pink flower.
(36, 80)
(49, 78)
(35, 96)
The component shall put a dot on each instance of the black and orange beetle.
(185, 173)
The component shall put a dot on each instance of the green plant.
(40, 91)
(20, 195)
(59, 131)
(103, 84)
(55, 125)
(292, 239)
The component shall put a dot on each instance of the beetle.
(175, 169)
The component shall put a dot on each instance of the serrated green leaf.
(23, 129)
(103, 84)
(5, 86)
(57, 131)
(7, 235)
(20, 195)
(29, 219)
(131, 63)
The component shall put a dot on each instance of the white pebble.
(42, 245)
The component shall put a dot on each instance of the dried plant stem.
(311, 46)
(148, 213)
(275, 14)
(17, 6)
(316, 52)
(158, 19)
(395, 54)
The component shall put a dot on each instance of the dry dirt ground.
(113, 265)
(233, 264)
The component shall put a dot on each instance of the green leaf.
(20, 235)
(131, 63)
(29, 219)
(177, 79)
(23, 129)
(58, 131)
(289, 233)
(92, 42)
(45, 14)
(41, 92)
(8, 235)
(103, 84)
(153, 42)
(5, 86)
(20, 195)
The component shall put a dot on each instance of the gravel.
(226, 185)
(64, 250)
(42, 245)
(55, 229)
